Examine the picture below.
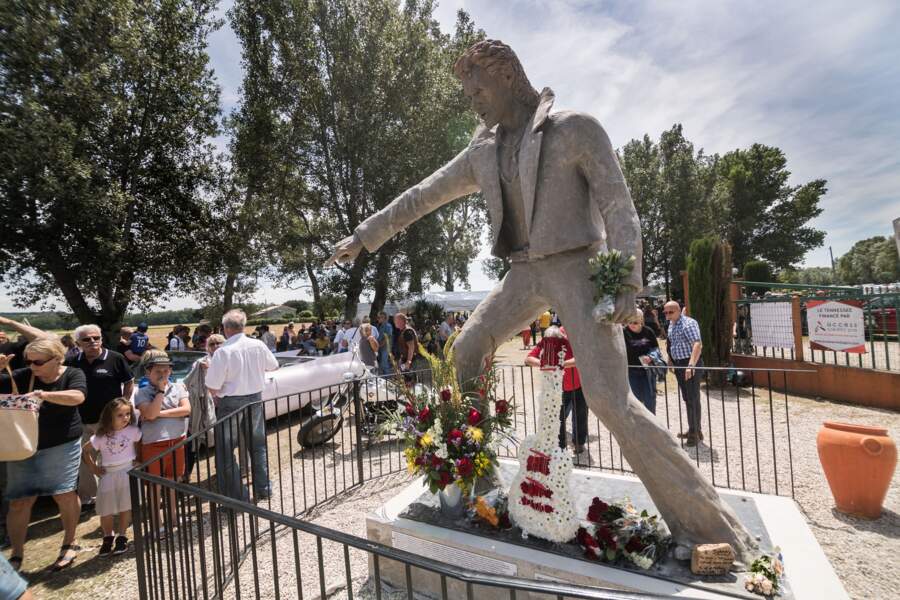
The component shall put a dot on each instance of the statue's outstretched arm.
(610, 194)
(454, 179)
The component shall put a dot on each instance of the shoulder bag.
(18, 423)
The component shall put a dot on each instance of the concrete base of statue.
(412, 521)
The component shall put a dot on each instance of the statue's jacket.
(574, 192)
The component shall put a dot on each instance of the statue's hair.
(497, 59)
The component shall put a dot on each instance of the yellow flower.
(427, 440)
(482, 465)
(475, 434)
(411, 466)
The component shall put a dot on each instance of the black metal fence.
(880, 323)
(195, 539)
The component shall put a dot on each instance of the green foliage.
(299, 305)
(709, 276)
(305, 314)
(757, 270)
(107, 111)
(424, 310)
(495, 268)
(808, 276)
(759, 214)
(741, 197)
(347, 105)
(873, 260)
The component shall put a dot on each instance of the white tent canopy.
(462, 301)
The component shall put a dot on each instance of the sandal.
(61, 561)
(16, 563)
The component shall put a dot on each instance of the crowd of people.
(103, 410)
(646, 363)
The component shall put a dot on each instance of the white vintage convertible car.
(317, 386)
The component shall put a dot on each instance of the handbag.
(18, 423)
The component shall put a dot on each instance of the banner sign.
(771, 325)
(836, 325)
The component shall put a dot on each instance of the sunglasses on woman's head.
(38, 363)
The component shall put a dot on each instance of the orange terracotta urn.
(859, 463)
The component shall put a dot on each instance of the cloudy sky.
(820, 80)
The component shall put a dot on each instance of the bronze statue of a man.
(556, 195)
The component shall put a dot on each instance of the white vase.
(451, 501)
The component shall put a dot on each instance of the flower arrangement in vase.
(451, 436)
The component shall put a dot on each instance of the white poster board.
(836, 325)
(772, 325)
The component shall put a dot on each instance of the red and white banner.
(836, 325)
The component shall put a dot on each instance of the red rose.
(597, 510)
(586, 539)
(445, 479)
(465, 466)
(501, 406)
(420, 460)
(455, 437)
(605, 536)
(424, 414)
(634, 545)
(446, 395)
(474, 417)
(436, 461)
(411, 410)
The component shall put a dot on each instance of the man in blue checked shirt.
(684, 351)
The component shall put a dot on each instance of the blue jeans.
(384, 362)
(580, 424)
(643, 385)
(228, 434)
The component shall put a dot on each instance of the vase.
(451, 501)
(859, 463)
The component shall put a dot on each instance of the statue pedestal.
(410, 521)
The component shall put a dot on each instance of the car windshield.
(183, 361)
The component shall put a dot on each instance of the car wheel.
(319, 430)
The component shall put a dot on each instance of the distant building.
(278, 311)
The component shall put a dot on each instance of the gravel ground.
(729, 454)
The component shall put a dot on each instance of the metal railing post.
(138, 531)
(357, 418)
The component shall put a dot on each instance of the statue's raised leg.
(688, 502)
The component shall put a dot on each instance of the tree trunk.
(382, 277)
(448, 279)
(228, 293)
(354, 288)
(415, 280)
(316, 291)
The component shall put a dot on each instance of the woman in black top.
(53, 470)
(639, 341)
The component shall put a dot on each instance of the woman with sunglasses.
(53, 470)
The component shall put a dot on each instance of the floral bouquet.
(765, 574)
(451, 436)
(609, 270)
(618, 531)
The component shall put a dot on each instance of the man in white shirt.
(236, 377)
(339, 345)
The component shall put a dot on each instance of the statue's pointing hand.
(345, 251)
